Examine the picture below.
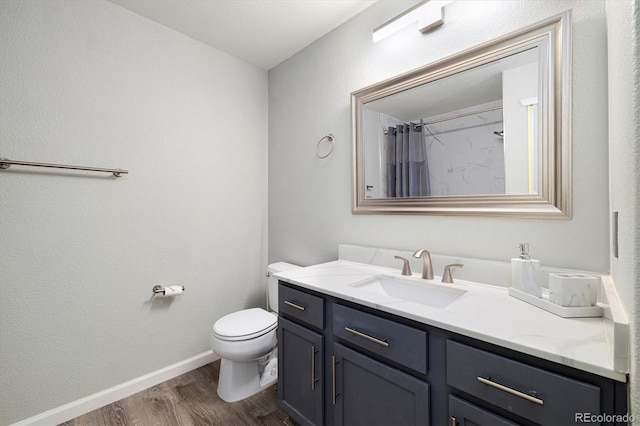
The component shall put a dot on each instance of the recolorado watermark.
(604, 418)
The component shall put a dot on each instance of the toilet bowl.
(246, 343)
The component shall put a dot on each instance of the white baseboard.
(93, 402)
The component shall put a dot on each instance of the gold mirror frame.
(553, 199)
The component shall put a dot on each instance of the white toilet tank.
(272, 291)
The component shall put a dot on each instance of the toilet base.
(239, 380)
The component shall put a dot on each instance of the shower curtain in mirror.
(407, 168)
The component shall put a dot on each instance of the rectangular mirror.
(483, 132)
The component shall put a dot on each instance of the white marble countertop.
(484, 312)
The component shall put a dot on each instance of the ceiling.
(260, 32)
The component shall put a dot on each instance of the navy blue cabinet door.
(300, 372)
(463, 413)
(367, 392)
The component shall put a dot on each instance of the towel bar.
(5, 163)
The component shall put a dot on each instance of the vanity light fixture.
(429, 14)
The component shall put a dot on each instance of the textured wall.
(623, 19)
(90, 83)
(310, 199)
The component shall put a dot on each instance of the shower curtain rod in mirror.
(466, 114)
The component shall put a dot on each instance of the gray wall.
(90, 83)
(310, 199)
(623, 19)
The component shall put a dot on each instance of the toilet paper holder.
(158, 289)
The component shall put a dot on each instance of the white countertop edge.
(317, 277)
(618, 331)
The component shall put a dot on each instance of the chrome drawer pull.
(366, 336)
(293, 305)
(511, 391)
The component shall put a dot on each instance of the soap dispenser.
(525, 273)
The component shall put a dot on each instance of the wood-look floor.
(189, 399)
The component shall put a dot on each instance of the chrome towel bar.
(5, 163)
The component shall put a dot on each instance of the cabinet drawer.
(535, 394)
(397, 342)
(463, 413)
(302, 306)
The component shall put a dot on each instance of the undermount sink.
(434, 295)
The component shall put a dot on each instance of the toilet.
(246, 343)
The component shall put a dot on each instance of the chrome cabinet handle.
(333, 379)
(293, 305)
(366, 336)
(454, 422)
(313, 368)
(511, 391)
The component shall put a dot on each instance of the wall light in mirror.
(428, 14)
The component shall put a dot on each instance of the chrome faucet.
(427, 268)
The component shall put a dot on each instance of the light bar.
(428, 15)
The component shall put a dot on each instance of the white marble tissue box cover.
(573, 290)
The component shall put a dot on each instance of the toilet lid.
(246, 324)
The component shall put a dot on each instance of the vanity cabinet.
(301, 355)
(341, 363)
(300, 372)
(533, 393)
(368, 392)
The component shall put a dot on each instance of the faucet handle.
(447, 277)
(406, 269)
